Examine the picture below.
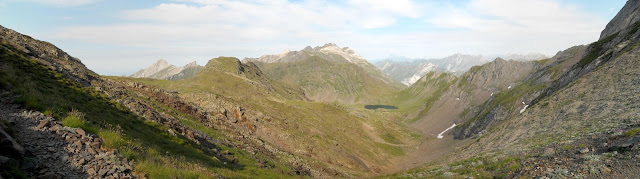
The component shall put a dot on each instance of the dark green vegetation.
(157, 154)
(596, 49)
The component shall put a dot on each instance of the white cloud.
(403, 7)
(240, 24)
(210, 28)
(507, 26)
(65, 3)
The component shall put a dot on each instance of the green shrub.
(112, 139)
(76, 119)
(632, 132)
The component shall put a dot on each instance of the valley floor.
(430, 151)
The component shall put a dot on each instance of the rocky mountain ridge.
(328, 73)
(48, 54)
(626, 17)
(409, 71)
(330, 48)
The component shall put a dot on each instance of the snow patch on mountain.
(424, 69)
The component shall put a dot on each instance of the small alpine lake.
(377, 106)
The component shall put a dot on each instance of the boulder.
(81, 132)
(42, 124)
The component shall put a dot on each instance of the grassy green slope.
(186, 73)
(419, 97)
(324, 134)
(330, 81)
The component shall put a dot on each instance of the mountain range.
(408, 71)
(326, 112)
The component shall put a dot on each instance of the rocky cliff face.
(627, 16)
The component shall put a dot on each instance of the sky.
(119, 37)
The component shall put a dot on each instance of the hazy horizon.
(120, 37)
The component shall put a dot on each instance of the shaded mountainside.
(329, 74)
(163, 70)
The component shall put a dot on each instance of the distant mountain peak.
(161, 69)
(161, 62)
(308, 48)
(193, 63)
(330, 45)
(154, 68)
(329, 48)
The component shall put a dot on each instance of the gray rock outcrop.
(626, 17)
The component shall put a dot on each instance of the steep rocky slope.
(329, 73)
(163, 70)
(575, 117)
(464, 95)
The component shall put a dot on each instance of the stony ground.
(54, 151)
(611, 154)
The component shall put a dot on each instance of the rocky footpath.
(51, 150)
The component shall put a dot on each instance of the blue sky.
(116, 37)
